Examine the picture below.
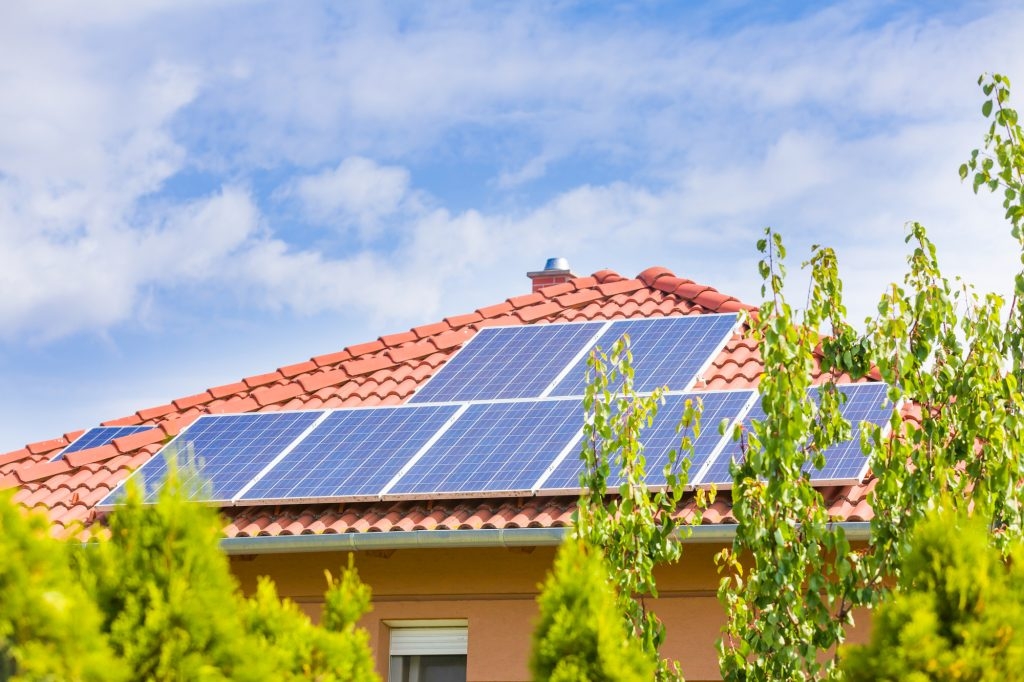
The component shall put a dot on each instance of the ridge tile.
(45, 446)
(392, 340)
(262, 379)
(433, 329)
(365, 348)
(228, 390)
(332, 358)
(292, 371)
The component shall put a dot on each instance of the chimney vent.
(556, 271)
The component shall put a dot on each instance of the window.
(428, 651)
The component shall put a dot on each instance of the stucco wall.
(495, 591)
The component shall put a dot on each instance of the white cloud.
(829, 127)
(357, 191)
(531, 170)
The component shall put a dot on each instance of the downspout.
(455, 539)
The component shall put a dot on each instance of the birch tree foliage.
(953, 360)
(637, 529)
(788, 573)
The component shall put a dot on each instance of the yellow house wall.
(495, 591)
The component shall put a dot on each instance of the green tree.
(170, 606)
(958, 613)
(173, 611)
(296, 649)
(49, 628)
(637, 529)
(952, 357)
(789, 571)
(581, 635)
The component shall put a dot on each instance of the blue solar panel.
(661, 437)
(668, 351)
(508, 362)
(495, 447)
(228, 451)
(100, 435)
(352, 453)
(844, 462)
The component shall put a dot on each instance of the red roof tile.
(47, 446)
(387, 371)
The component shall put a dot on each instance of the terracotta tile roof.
(383, 372)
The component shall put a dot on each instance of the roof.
(387, 371)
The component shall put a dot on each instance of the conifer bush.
(156, 601)
(958, 613)
(581, 635)
(49, 627)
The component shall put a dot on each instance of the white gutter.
(456, 539)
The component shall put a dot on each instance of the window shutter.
(428, 641)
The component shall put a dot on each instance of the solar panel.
(228, 451)
(670, 351)
(495, 447)
(844, 462)
(97, 436)
(509, 362)
(661, 437)
(352, 453)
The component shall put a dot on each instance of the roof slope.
(385, 372)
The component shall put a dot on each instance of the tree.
(953, 359)
(170, 605)
(788, 603)
(958, 612)
(638, 529)
(298, 650)
(173, 611)
(581, 635)
(49, 628)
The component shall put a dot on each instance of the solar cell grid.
(661, 437)
(495, 447)
(352, 453)
(227, 451)
(669, 351)
(844, 462)
(508, 362)
(97, 436)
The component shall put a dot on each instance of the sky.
(194, 192)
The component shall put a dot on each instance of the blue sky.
(193, 192)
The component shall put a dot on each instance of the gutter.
(463, 539)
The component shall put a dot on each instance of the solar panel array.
(352, 453)
(536, 361)
(844, 462)
(664, 436)
(221, 454)
(502, 417)
(97, 436)
(495, 447)
(509, 362)
(670, 352)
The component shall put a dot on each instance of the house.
(452, 578)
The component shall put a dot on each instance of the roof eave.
(463, 539)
